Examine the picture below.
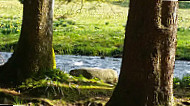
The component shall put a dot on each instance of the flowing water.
(69, 62)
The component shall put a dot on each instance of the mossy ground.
(42, 96)
(57, 88)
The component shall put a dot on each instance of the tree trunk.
(34, 49)
(146, 77)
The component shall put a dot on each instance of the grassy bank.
(96, 29)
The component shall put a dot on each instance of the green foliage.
(56, 84)
(61, 76)
(56, 77)
(10, 26)
(176, 82)
(184, 5)
(122, 3)
(182, 83)
(17, 101)
(21, 1)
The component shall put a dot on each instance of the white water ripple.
(69, 62)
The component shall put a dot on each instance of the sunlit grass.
(184, 18)
(10, 8)
(96, 29)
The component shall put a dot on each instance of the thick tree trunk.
(146, 77)
(34, 49)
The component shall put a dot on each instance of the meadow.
(89, 28)
(92, 28)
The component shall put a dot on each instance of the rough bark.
(34, 49)
(146, 77)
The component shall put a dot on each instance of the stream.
(69, 62)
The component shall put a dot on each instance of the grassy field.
(96, 29)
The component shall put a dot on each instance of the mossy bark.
(146, 77)
(34, 49)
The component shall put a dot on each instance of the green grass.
(183, 45)
(10, 8)
(88, 38)
(182, 83)
(97, 29)
(17, 101)
(181, 88)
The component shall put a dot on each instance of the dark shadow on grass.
(125, 3)
(121, 3)
(184, 5)
(183, 53)
(71, 95)
(8, 47)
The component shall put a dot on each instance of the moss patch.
(58, 88)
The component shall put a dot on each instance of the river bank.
(69, 62)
